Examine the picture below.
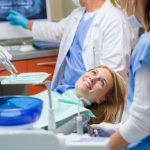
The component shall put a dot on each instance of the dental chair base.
(82, 142)
(38, 139)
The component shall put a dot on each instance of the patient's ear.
(101, 100)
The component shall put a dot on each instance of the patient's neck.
(86, 102)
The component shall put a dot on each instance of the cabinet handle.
(46, 63)
(2, 69)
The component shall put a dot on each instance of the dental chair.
(28, 140)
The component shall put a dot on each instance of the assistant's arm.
(137, 126)
(42, 30)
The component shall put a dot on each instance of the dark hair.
(147, 13)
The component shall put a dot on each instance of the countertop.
(23, 55)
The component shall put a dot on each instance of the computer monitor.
(36, 10)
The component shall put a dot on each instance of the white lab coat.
(107, 41)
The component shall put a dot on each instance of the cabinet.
(21, 66)
(34, 65)
(40, 65)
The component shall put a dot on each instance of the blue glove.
(17, 19)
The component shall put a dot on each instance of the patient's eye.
(102, 82)
(94, 72)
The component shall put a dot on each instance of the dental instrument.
(23, 78)
(79, 120)
(9, 66)
(5, 58)
(51, 119)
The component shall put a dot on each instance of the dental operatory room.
(74, 74)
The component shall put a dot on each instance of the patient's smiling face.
(94, 84)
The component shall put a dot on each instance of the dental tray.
(19, 110)
(26, 78)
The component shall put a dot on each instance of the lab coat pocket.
(98, 46)
(97, 56)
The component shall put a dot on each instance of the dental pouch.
(26, 78)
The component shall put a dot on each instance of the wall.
(68, 6)
(57, 9)
(61, 8)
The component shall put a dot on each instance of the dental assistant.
(136, 129)
(96, 33)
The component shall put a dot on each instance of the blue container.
(19, 110)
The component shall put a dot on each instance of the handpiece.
(51, 119)
(5, 61)
(79, 120)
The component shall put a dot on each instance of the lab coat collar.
(102, 11)
(79, 13)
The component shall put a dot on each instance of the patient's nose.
(92, 79)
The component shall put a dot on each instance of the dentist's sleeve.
(48, 31)
(137, 126)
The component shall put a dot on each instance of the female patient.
(101, 90)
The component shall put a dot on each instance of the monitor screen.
(35, 10)
(31, 9)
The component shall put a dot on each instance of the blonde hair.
(116, 3)
(115, 100)
(113, 2)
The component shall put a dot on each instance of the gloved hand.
(17, 19)
(105, 129)
(5, 58)
(88, 129)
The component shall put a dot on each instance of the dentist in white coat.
(96, 33)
